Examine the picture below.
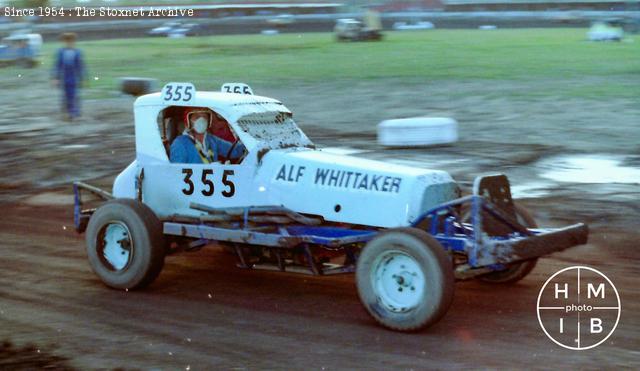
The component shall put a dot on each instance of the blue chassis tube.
(445, 226)
(452, 233)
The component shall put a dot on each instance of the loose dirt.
(204, 313)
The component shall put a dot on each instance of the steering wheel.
(231, 149)
(239, 159)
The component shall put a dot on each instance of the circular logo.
(578, 308)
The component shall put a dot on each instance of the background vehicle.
(349, 29)
(21, 49)
(176, 29)
(413, 25)
(609, 30)
(287, 206)
(187, 29)
(164, 29)
(281, 20)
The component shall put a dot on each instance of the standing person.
(68, 74)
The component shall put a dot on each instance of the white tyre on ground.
(417, 131)
(405, 279)
(125, 244)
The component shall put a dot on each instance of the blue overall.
(183, 150)
(69, 71)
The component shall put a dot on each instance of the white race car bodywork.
(282, 167)
(281, 204)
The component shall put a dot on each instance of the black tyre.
(405, 279)
(516, 271)
(125, 244)
(137, 86)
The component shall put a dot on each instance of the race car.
(286, 205)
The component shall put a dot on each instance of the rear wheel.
(125, 244)
(405, 279)
(516, 271)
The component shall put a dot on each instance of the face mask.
(200, 126)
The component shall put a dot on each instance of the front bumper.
(492, 234)
(545, 242)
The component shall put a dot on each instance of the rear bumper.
(518, 249)
(82, 215)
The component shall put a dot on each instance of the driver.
(197, 146)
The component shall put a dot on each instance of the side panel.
(169, 188)
(348, 189)
(125, 184)
(149, 146)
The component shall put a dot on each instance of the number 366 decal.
(207, 183)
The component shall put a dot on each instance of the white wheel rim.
(117, 245)
(398, 280)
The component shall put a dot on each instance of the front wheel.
(405, 279)
(125, 244)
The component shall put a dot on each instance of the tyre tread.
(448, 280)
(154, 231)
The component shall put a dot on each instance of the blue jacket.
(69, 66)
(183, 150)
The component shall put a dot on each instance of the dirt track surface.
(205, 313)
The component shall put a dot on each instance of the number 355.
(207, 183)
(178, 92)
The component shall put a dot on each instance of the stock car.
(286, 205)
